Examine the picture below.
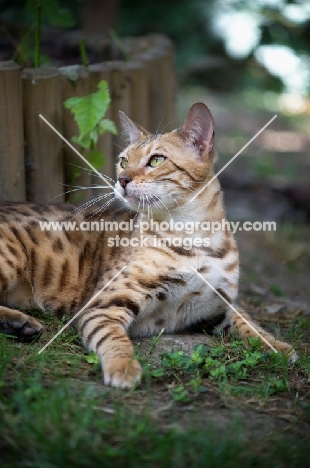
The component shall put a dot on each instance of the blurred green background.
(224, 44)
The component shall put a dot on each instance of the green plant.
(224, 366)
(89, 112)
(93, 359)
(180, 394)
(275, 289)
(35, 13)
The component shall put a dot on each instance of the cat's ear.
(131, 131)
(198, 128)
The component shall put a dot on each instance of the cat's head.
(165, 170)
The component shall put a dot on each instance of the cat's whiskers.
(142, 205)
(75, 188)
(121, 147)
(163, 130)
(137, 211)
(87, 204)
(84, 188)
(86, 169)
(79, 209)
(157, 130)
(148, 206)
(179, 207)
(160, 200)
(102, 208)
(156, 203)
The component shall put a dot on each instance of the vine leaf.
(89, 110)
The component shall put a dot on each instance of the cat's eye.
(124, 162)
(156, 160)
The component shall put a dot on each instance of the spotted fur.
(62, 270)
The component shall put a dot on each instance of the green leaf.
(84, 142)
(106, 125)
(89, 110)
(92, 358)
(72, 101)
(158, 373)
(96, 158)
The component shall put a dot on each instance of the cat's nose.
(124, 180)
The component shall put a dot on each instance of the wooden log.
(159, 41)
(139, 83)
(74, 83)
(97, 73)
(129, 92)
(168, 84)
(121, 100)
(44, 162)
(164, 47)
(12, 172)
(153, 66)
(136, 45)
(159, 59)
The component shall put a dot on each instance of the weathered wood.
(139, 82)
(74, 83)
(129, 92)
(168, 84)
(120, 90)
(165, 51)
(159, 61)
(12, 173)
(136, 45)
(44, 162)
(153, 67)
(97, 73)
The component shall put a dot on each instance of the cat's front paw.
(122, 373)
(19, 325)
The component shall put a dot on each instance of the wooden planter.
(35, 164)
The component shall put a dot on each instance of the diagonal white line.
(82, 157)
(233, 158)
(83, 308)
(235, 310)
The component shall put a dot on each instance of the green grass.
(57, 426)
(276, 290)
(191, 410)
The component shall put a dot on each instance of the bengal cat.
(61, 270)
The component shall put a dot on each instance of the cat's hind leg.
(243, 324)
(19, 325)
(13, 263)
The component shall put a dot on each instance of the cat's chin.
(132, 202)
(129, 201)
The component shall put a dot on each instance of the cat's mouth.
(132, 194)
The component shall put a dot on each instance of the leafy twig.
(119, 44)
(83, 52)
